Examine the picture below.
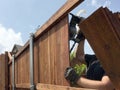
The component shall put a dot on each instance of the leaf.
(80, 69)
(72, 55)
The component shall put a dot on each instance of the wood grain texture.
(36, 62)
(44, 59)
(23, 86)
(57, 87)
(102, 32)
(54, 54)
(51, 57)
(51, 51)
(6, 71)
(3, 71)
(63, 11)
(59, 15)
(10, 78)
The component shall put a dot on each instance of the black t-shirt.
(95, 70)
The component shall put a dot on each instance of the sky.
(18, 18)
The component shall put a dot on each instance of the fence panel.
(3, 72)
(10, 76)
(103, 34)
(54, 54)
(51, 51)
(51, 57)
(22, 69)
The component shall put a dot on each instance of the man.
(95, 76)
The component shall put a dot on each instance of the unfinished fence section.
(102, 30)
(3, 72)
(51, 52)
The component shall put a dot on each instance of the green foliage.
(80, 69)
(72, 55)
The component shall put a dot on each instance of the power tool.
(74, 31)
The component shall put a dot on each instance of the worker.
(95, 77)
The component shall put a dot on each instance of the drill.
(74, 31)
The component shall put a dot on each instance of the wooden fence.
(102, 30)
(3, 72)
(50, 58)
(51, 51)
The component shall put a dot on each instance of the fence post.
(31, 62)
(13, 72)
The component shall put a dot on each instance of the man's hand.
(71, 75)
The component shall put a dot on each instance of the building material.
(4, 71)
(102, 30)
(23, 86)
(63, 11)
(54, 54)
(51, 51)
(57, 87)
(13, 72)
(59, 15)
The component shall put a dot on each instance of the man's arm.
(80, 57)
(104, 84)
(80, 52)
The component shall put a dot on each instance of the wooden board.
(63, 11)
(22, 68)
(103, 33)
(51, 52)
(54, 54)
(6, 71)
(57, 87)
(23, 86)
(51, 57)
(59, 15)
(3, 72)
(10, 77)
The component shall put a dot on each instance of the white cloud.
(8, 37)
(95, 3)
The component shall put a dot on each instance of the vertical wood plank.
(3, 83)
(16, 71)
(103, 36)
(62, 48)
(6, 71)
(44, 59)
(54, 54)
(27, 66)
(36, 61)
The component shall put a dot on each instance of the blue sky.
(20, 17)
